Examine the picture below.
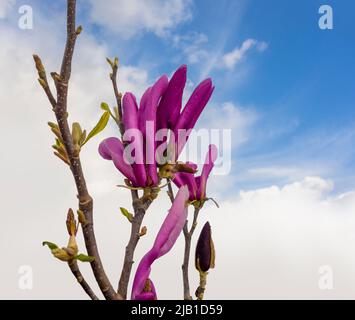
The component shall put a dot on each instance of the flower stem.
(185, 266)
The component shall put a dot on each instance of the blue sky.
(301, 86)
(299, 89)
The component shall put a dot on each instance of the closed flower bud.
(61, 254)
(76, 133)
(71, 223)
(72, 248)
(205, 253)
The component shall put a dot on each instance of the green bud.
(71, 223)
(81, 217)
(127, 214)
(61, 254)
(79, 30)
(76, 133)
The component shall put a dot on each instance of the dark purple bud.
(205, 253)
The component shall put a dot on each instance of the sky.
(284, 87)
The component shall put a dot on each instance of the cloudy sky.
(286, 223)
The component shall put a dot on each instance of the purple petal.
(142, 107)
(195, 105)
(173, 223)
(150, 113)
(186, 179)
(130, 121)
(151, 295)
(206, 170)
(112, 149)
(130, 111)
(183, 178)
(166, 238)
(170, 105)
(192, 111)
(142, 274)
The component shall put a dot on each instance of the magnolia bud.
(39, 67)
(205, 253)
(61, 254)
(76, 132)
(71, 223)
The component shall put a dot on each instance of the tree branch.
(185, 266)
(140, 207)
(60, 110)
(170, 191)
(73, 265)
(118, 96)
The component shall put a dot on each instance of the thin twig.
(140, 208)
(73, 265)
(170, 191)
(185, 266)
(85, 200)
(118, 96)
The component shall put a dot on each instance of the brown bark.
(73, 265)
(60, 109)
(140, 206)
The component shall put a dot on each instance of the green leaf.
(82, 138)
(99, 127)
(104, 106)
(127, 214)
(50, 245)
(84, 258)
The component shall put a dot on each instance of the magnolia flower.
(170, 115)
(159, 109)
(197, 185)
(142, 171)
(143, 287)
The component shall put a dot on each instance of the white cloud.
(5, 7)
(231, 59)
(191, 46)
(129, 18)
(230, 116)
(277, 238)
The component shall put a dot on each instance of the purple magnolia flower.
(170, 115)
(159, 108)
(197, 185)
(143, 287)
(143, 171)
